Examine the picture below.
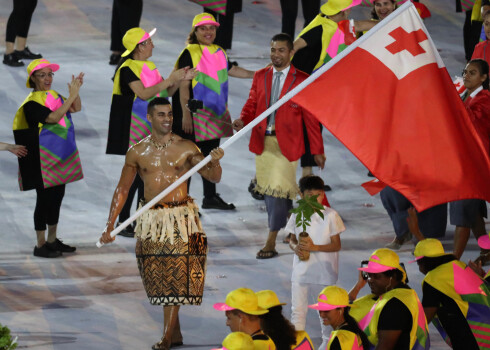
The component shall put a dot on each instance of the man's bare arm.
(120, 194)
(211, 171)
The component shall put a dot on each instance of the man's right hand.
(238, 124)
(106, 235)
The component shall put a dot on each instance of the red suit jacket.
(478, 109)
(289, 117)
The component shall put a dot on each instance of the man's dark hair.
(284, 37)
(311, 182)
(157, 101)
(430, 264)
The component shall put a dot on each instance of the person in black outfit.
(126, 14)
(289, 10)
(224, 36)
(16, 34)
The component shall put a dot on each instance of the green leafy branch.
(6, 341)
(307, 206)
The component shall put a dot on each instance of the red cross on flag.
(390, 100)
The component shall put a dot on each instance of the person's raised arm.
(361, 282)
(76, 106)
(73, 88)
(239, 72)
(120, 194)
(299, 44)
(211, 171)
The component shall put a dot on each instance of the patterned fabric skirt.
(172, 264)
(276, 175)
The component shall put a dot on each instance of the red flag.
(391, 102)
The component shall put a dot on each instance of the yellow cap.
(133, 37)
(268, 299)
(242, 299)
(430, 248)
(238, 341)
(333, 7)
(203, 19)
(40, 63)
(382, 260)
(331, 297)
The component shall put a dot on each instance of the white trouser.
(302, 295)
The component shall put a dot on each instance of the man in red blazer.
(278, 141)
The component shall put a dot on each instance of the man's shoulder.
(299, 73)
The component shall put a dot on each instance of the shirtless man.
(171, 245)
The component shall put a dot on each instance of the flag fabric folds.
(390, 100)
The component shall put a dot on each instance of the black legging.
(289, 8)
(126, 14)
(209, 188)
(20, 19)
(48, 204)
(137, 185)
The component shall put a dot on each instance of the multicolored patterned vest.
(333, 38)
(419, 334)
(303, 341)
(210, 85)
(348, 340)
(60, 162)
(471, 294)
(149, 75)
(361, 307)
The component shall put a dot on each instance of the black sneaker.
(60, 246)
(12, 60)
(46, 252)
(128, 231)
(216, 202)
(27, 54)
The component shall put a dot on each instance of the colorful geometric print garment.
(334, 38)
(59, 158)
(419, 334)
(218, 6)
(348, 340)
(210, 85)
(470, 293)
(303, 341)
(149, 75)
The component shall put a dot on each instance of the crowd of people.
(161, 140)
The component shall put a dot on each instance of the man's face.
(161, 119)
(486, 26)
(379, 283)
(280, 54)
(319, 193)
(233, 321)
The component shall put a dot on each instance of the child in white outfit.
(310, 276)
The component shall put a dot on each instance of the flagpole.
(257, 120)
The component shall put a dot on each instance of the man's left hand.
(320, 160)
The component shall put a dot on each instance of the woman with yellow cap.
(237, 341)
(44, 125)
(277, 327)
(333, 306)
(136, 82)
(206, 124)
(396, 320)
(455, 298)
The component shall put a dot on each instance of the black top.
(126, 76)
(335, 345)
(35, 113)
(450, 316)
(307, 58)
(396, 316)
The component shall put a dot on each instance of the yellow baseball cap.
(430, 248)
(203, 19)
(237, 341)
(333, 7)
(382, 260)
(331, 297)
(268, 299)
(242, 299)
(133, 37)
(40, 63)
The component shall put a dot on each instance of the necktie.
(275, 92)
